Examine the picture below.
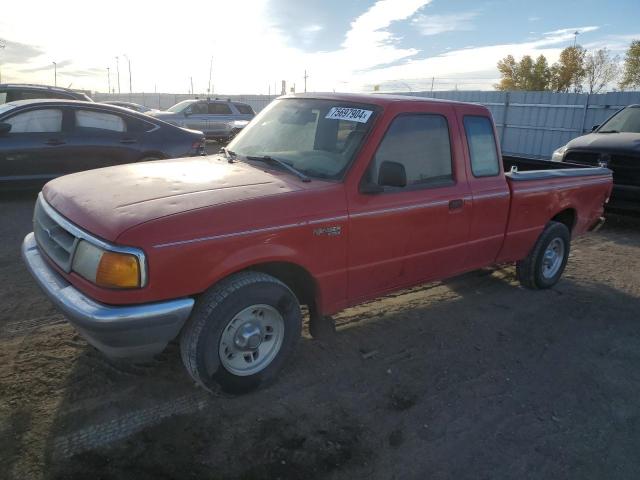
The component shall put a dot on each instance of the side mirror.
(392, 174)
(594, 128)
(4, 128)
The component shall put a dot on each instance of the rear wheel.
(241, 332)
(546, 262)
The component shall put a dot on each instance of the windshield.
(626, 120)
(316, 137)
(178, 107)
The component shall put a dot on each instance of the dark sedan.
(43, 139)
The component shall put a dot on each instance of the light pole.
(2, 45)
(129, 61)
(210, 70)
(55, 74)
(118, 71)
(109, 79)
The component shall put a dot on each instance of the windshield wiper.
(231, 155)
(285, 165)
(608, 131)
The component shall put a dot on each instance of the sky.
(249, 46)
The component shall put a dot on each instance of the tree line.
(577, 70)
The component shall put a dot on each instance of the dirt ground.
(475, 377)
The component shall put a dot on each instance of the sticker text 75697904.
(351, 114)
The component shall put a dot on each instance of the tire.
(544, 265)
(241, 332)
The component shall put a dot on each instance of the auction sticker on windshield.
(351, 114)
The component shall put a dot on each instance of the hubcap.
(251, 340)
(553, 258)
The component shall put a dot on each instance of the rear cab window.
(482, 146)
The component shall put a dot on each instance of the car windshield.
(627, 120)
(316, 137)
(178, 107)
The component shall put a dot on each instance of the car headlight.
(107, 268)
(558, 154)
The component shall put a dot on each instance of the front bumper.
(128, 331)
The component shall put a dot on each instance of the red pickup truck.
(323, 200)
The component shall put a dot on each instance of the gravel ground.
(475, 377)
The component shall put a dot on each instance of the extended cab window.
(37, 121)
(482, 146)
(420, 143)
(219, 109)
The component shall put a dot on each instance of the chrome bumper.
(128, 331)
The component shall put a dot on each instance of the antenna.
(575, 38)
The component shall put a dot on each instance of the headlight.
(558, 154)
(107, 268)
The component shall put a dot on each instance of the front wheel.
(241, 332)
(544, 265)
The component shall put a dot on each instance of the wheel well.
(293, 276)
(566, 217)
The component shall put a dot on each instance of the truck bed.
(539, 189)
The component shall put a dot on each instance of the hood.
(108, 201)
(627, 143)
(161, 114)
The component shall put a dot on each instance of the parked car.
(131, 106)
(324, 200)
(11, 92)
(616, 145)
(43, 139)
(218, 119)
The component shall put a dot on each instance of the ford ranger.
(323, 200)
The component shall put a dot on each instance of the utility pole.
(575, 38)
(305, 81)
(55, 74)
(2, 45)
(129, 62)
(191, 78)
(432, 80)
(109, 79)
(209, 92)
(118, 69)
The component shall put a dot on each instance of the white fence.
(530, 124)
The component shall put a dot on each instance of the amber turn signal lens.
(118, 270)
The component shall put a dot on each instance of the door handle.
(128, 140)
(456, 204)
(55, 141)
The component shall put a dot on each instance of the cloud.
(436, 24)
(534, 19)
(16, 52)
(48, 66)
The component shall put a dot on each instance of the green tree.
(631, 70)
(508, 68)
(523, 75)
(568, 72)
(600, 69)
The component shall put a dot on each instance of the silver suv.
(218, 119)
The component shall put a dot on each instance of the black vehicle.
(43, 139)
(136, 107)
(616, 145)
(12, 92)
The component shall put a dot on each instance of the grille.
(56, 242)
(583, 158)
